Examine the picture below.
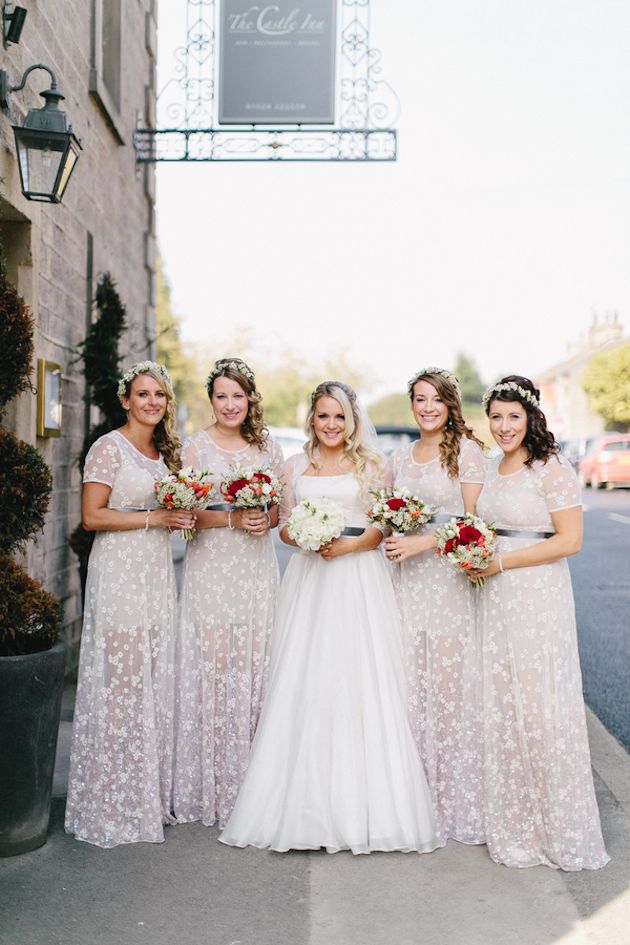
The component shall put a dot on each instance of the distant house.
(563, 399)
(104, 63)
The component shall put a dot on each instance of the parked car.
(607, 462)
(390, 437)
(575, 449)
(291, 439)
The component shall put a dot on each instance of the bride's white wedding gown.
(334, 763)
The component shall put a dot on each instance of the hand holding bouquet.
(467, 543)
(253, 488)
(313, 524)
(188, 489)
(398, 510)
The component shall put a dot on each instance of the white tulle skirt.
(334, 763)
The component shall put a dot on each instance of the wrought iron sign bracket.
(366, 105)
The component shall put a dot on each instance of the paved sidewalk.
(191, 890)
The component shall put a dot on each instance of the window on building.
(106, 65)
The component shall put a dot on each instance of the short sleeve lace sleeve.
(559, 484)
(294, 468)
(277, 458)
(190, 454)
(472, 462)
(102, 461)
(395, 462)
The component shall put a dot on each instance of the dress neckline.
(224, 449)
(415, 461)
(338, 476)
(508, 475)
(139, 452)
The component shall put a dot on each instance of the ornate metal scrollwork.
(367, 106)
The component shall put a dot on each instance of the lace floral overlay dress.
(228, 605)
(437, 610)
(120, 766)
(334, 763)
(540, 805)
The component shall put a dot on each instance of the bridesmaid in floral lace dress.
(540, 805)
(119, 788)
(227, 608)
(445, 468)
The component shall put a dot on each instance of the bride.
(334, 763)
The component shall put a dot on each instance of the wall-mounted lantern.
(46, 147)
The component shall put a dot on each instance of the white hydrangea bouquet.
(254, 488)
(467, 542)
(315, 523)
(398, 509)
(187, 489)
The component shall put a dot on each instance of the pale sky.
(503, 226)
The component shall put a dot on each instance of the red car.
(607, 462)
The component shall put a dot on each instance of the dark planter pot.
(31, 688)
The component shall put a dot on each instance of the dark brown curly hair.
(253, 428)
(539, 442)
(456, 426)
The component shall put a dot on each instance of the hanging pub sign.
(277, 62)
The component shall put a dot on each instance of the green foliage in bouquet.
(29, 615)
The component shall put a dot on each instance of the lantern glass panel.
(70, 159)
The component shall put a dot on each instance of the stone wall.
(55, 253)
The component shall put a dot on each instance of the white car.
(291, 439)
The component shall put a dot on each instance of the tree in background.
(187, 371)
(101, 369)
(470, 382)
(393, 409)
(607, 384)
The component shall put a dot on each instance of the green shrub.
(16, 343)
(25, 486)
(29, 615)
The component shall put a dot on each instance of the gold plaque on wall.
(48, 398)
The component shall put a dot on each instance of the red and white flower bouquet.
(398, 510)
(187, 489)
(252, 488)
(467, 543)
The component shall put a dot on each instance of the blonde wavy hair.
(456, 427)
(253, 428)
(165, 435)
(367, 461)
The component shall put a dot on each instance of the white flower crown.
(511, 386)
(142, 367)
(447, 375)
(224, 365)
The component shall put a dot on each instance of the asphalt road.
(601, 584)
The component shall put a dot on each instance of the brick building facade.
(103, 53)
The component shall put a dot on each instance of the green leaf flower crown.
(447, 375)
(142, 367)
(510, 386)
(225, 364)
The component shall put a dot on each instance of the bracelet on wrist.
(501, 568)
(146, 521)
(230, 526)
